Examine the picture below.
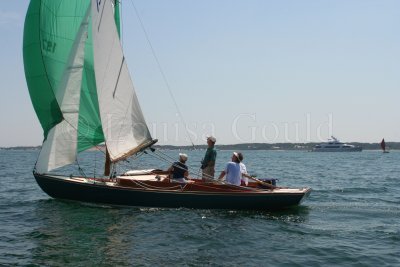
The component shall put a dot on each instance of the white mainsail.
(124, 127)
(60, 147)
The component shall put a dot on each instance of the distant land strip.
(247, 146)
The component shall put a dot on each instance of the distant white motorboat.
(334, 145)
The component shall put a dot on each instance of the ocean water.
(352, 217)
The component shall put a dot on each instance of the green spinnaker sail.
(50, 30)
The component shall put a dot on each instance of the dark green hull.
(60, 188)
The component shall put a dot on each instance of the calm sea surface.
(352, 218)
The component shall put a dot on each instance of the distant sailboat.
(383, 146)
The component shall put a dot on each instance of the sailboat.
(383, 146)
(83, 95)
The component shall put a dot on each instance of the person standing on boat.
(179, 169)
(208, 163)
(232, 171)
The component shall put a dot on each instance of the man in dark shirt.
(179, 169)
(208, 163)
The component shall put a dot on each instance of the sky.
(256, 71)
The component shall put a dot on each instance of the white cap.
(183, 156)
(211, 138)
(236, 155)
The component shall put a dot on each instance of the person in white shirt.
(232, 171)
(245, 176)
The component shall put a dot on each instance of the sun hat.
(211, 138)
(237, 156)
(183, 156)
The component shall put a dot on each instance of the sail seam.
(49, 9)
(58, 36)
(101, 17)
(119, 75)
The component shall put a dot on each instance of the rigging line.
(80, 169)
(162, 73)
(173, 160)
(163, 158)
(150, 187)
(165, 154)
(160, 158)
(170, 159)
(211, 178)
(126, 163)
(191, 169)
